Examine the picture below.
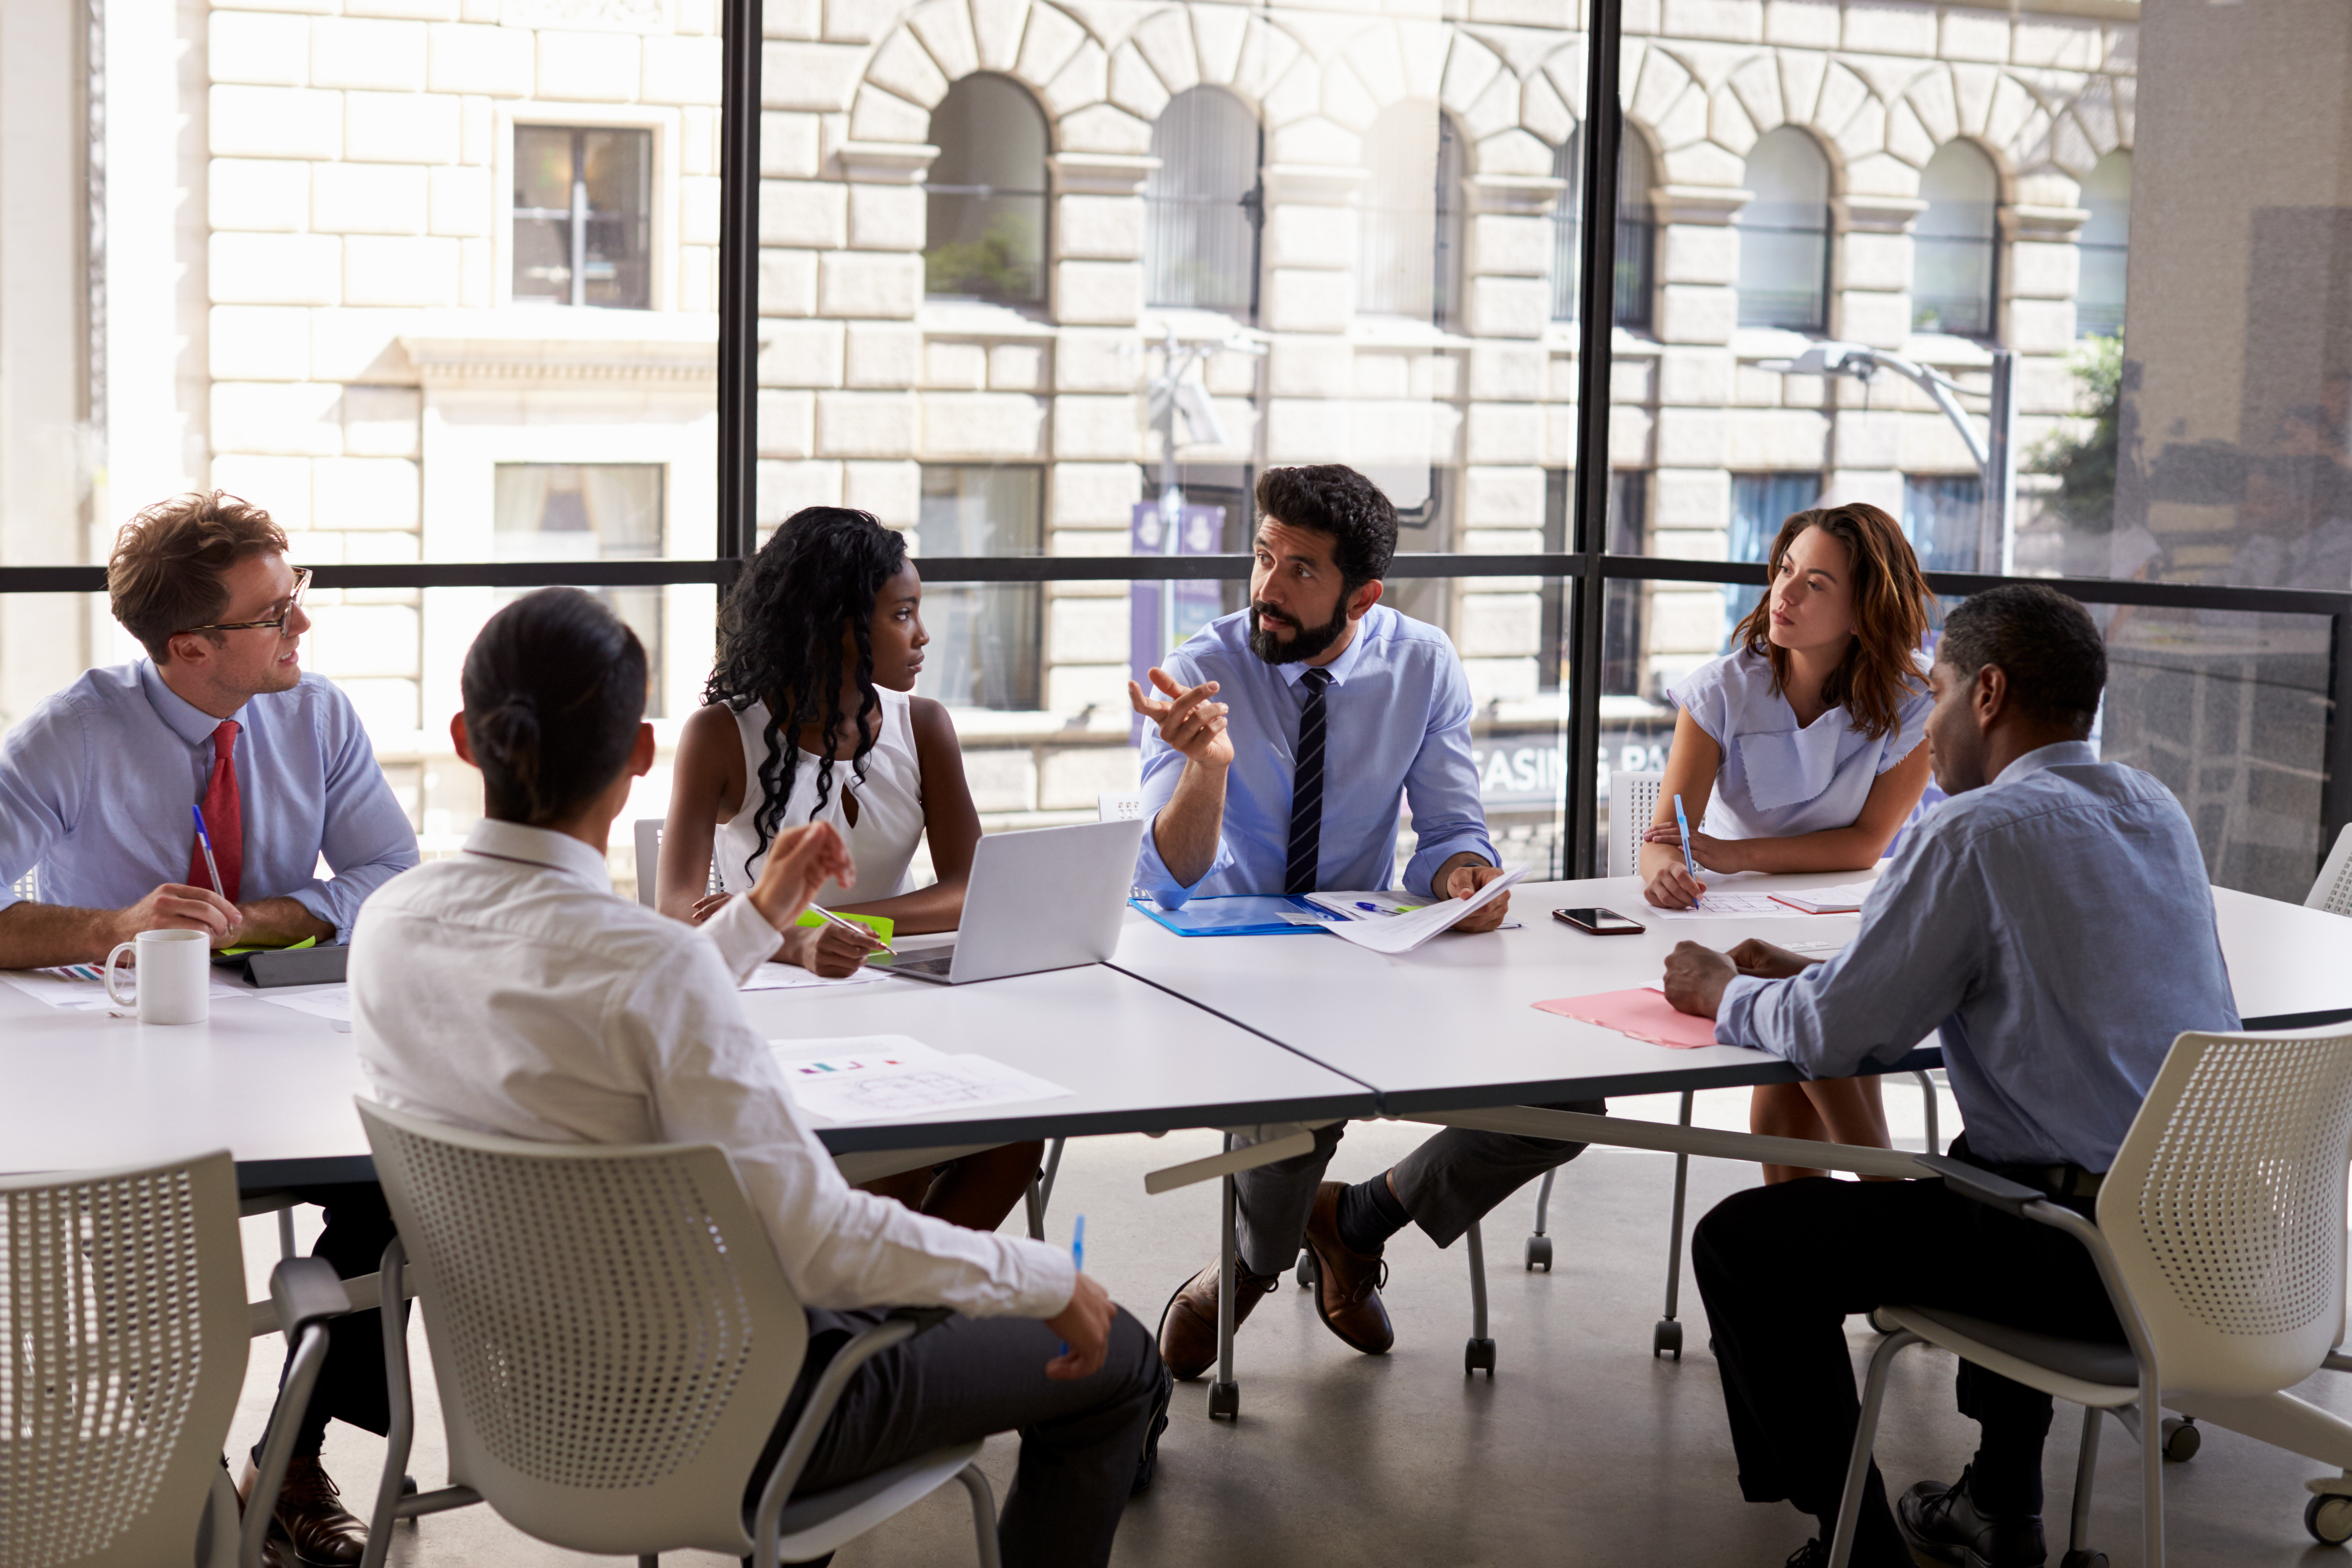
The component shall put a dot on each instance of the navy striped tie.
(1306, 789)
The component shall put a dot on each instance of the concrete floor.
(1581, 1450)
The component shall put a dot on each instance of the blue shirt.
(2055, 925)
(95, 787)
(1396, 727)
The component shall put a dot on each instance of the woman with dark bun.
(812, 717)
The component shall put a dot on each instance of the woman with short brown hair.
(1799, 750)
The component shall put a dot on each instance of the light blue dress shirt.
(95, 787)
(2055, 925)
(1396, 728)
(1778, 778)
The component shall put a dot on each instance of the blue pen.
(206, 839)
(1078, 1256)
(1684, 823)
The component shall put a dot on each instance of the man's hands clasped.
(1696, 974)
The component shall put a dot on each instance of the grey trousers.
(972, 1377)
(1446, 1184)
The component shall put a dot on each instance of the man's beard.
(1305, 643)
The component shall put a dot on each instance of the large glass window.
(1760, 504)
(1636, 231)
(1943, 516)
(2103, 247)
(985, 211)
(1204, 204)
(986, 637)
(1784, 233)
(1954, 247)
(582, 216)
(590, 512)
(1409, 235)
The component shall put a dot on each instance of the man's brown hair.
(166, 575)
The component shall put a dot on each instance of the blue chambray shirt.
(95, 787)
(1396, 729)
(2056, 926)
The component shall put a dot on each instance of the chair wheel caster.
(2180, 1438)
(1224, 1401)
(1307, 1269)
(2329, 1520)
(1479, 1355)
(1666, 1339)
(408, 1486)
(2083, 1560)
(1539, 1254)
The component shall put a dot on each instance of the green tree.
(2084, 462)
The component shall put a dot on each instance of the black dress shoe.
(1812, 1554)
(1944, 1524)
(1146, 1464)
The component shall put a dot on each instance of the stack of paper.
(790, 976)
(889, 1078)
(1715, 905)
(1643, 1014)
(1844, 900)
(1403, 933)
(77, 988)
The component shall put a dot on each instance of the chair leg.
(1927, 1088)
(1053, 1169)
(1865, 1433)
(1538, 1251)
(286, 1232)
(2151, 1469)
(2086, 1465)
(1666, 1338)
(1479, 1355)
(1035, 1201)
(390, 1275)
(1224, 1395)
(984, 1514)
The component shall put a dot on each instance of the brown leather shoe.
(311, 1526)
(1187, 1325)
(1347, 1284)
(272, 1556)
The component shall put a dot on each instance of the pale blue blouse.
(1777, 779)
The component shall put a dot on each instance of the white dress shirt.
(509, 990)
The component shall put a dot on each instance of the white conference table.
(1453, 1026)
(86, 1090)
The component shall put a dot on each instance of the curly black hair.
(2044, 642)
(779, 643)
(1333, 498)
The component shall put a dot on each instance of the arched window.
(1954, 246)
(1204, 204)
(1408, 237)
(986, 194)
(2102, 246)
(1784, 233)
(1637, 230)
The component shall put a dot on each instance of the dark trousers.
(1447, 1184)
(1781, 1268)
(351, 1383)
(972, 1377)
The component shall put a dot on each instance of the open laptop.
(1051, 897)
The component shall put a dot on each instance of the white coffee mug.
(175, 977)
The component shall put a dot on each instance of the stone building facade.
(329, 289)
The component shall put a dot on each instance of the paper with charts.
(1402, 933)
(1643, 1015)
(773, 977)
(1717, 905)
(80, 988)
(889, 1078)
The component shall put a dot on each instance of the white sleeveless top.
(1779, 780)
(889, 807)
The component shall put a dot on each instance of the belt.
(2059, 1181)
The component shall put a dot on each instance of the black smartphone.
(1597, 923)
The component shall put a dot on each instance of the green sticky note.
(289, 947)
(881, 925)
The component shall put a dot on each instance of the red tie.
(224, 819)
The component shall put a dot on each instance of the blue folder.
(1239, 914)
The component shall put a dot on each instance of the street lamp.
(1173, 396)
(1995, 452)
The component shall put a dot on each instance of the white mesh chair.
(613, 1342)
(2333, 890)
(122, 1311)
(2220, 1242)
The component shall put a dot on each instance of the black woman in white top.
(811, 718)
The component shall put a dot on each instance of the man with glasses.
(98, 844)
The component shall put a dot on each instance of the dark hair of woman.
(554, 688)
(779, 634)
(1890, 616)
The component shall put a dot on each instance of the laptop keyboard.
(936, 963)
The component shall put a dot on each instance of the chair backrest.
(1118, 805)
(123, 1321)
(612, 1335)
(1632, 806)
(649, 831)
(2226, 1207)
(2333, 890)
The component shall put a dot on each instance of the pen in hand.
(205, 840)
(1683, 824)
(831, 919)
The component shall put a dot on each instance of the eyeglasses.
(276, 623)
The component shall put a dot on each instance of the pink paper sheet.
(1643, 1014)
